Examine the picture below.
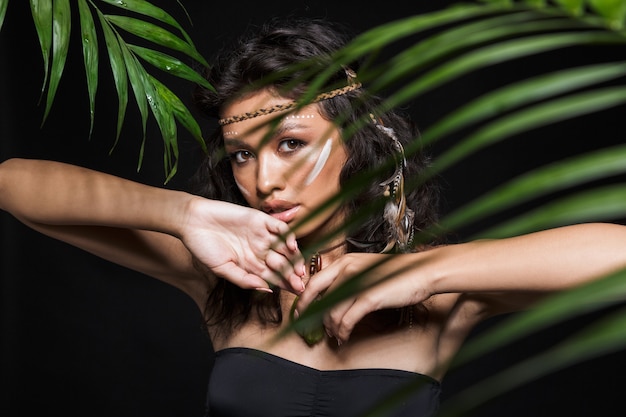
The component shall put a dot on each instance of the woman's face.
(289, 170)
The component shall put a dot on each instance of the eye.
(290, 145)
(240, 157)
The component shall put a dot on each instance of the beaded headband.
(352, 85)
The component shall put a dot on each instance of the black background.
(82, 337)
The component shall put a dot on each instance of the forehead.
(264, 99)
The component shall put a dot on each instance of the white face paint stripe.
(321, 161)
(243, 190)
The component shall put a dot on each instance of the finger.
(241, 278)
(345, 320)
(335, 321)
(317, 285)
(279, 228)
(284, 274)
(287, 236)
(292, 243)
(299, 268)
(280, 246)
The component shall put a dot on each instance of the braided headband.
(352, 85)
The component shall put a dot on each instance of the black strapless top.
(250, 383)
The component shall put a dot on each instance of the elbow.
(9, 174)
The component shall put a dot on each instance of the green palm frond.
(3, 11)
(469, 38)
(53, 24)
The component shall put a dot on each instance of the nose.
(269, 175)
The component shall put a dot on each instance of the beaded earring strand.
(399, 217)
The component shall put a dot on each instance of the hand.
(245, 246)
(382, 281)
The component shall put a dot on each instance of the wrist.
(186, 209)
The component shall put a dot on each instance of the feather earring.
(399, 217)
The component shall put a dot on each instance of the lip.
(281, 210)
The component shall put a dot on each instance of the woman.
(273, 176)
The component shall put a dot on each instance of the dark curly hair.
(270, 54)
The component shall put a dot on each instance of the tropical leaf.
(116, 60)
(601, 337)
(165, 117)
(557, 176)
(42, 17)
(598, 204)
(597, 295)
(148, 9)
(181, 113)
(613, 11)
(509, 32)
(156, 34)
(53, 23)
(531, 118)
(465, 36)
(3, 10)
(138, 78)
(90, 55)
(522, 93)
(492, 55)
(61, 28)
(170, 65)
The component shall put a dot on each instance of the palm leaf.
(481, 42)
(53, 25)
(138, 77)
(600, 338)
(554, 177)
(42, 17)
(90, 56)
(164, 115)
(613, 11)
(3, 10)
(530, 118)
(597, 204)
(170, 64)
(148, 9)
(522, 93)
(61, 27)
(116, 60)
(156, 34)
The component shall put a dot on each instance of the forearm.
(546, 261)
(47, 192)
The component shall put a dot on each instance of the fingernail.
(295, 313)
(263, 289)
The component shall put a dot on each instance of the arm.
(503, 275)
(149, 229)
